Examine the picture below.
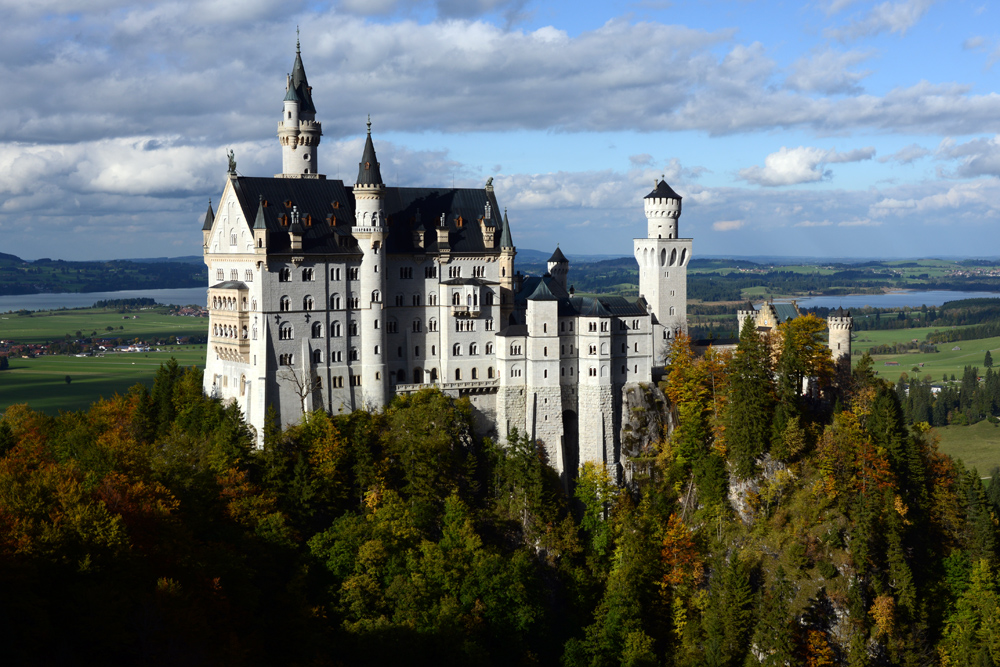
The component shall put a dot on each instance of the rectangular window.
(335, 275)
(220, 274)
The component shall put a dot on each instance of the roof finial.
(369, 124)
(298, 46)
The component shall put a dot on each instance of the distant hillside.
(45, 275)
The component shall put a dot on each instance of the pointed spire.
(209, 218)
(505, 239)
(259, 222)
(300, 83)
(368, 168)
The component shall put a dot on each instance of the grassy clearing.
(978, 446)
(41, 382)
(43, 326)
(949, 361)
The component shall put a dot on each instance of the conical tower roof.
(368, 171)
(558, 257)
(209, 218)
(300, 84)
(505, 239)
(259, 222)
(663, 191)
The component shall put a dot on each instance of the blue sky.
(837, 128)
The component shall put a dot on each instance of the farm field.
(978, 446)
(42, 326)
(948, 361)
(41, 382)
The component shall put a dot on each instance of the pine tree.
(750, 408)
(988, 360)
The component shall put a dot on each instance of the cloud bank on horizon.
(845, 128)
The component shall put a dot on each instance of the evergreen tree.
(750, 408)
(988, 360)
(774, 635)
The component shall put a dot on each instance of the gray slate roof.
(321, 201)
(368, 171)
(230, 284)
(558, 257)
(662, 191)
(209, 218)
(301, 85)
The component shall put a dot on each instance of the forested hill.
(770, 528)
(18, 276)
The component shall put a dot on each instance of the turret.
(371, 232)
(298, 131)
(840, 324)
(663, 210)
(558, 267)
(507, 287)
(206, 226)
(260, 229)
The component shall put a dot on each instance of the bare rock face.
(646, 421)
(751, 496)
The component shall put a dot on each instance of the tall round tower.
(840, 324)
(298, 131)
(371, 232)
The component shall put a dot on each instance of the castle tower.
(507, 253)
(298, 131)
(663, 258)
(558, 267)
(371, 231)
(840, 325)
(543, 401)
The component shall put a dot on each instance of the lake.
(180, 297)
(198, 295)
(912, 298)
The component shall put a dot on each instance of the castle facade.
(337, 297)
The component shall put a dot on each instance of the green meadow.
(947, 361)
(978, 446)
(46, 326)
(41, 382)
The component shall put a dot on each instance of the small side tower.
(298, 131)
(206, 226)
(507, 287)
(663, 258)
(371, 232)
(840, 324)
(558, 267)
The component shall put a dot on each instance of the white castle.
(326, 295)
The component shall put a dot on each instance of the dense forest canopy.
(779, 523)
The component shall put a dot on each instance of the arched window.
(468, 299)
(400, 376)
(285, 275)
(434, 375)
(317, 330)
(458, 373)
(432, 299)
(489, 373)
(418, 376)
(354, 354)
(354, 327)
(432, 324)
(473, 349)
(285, 332)
(376, 296)
(317, 357)
(475, 373)
(243, 385)
(489, 348)
(416, 326)
(335, 302)
(456, 350)
(285, 304)
(335, 331)
(307, 303)
(456, 299)
(378, 350)
(489, 298)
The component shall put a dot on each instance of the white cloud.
(906, 155)
(800, 165)
(978, 157)
(973, 43)
(828, 72)
(728, 225)
(897, 17)
(860, 223)
(813, 223)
